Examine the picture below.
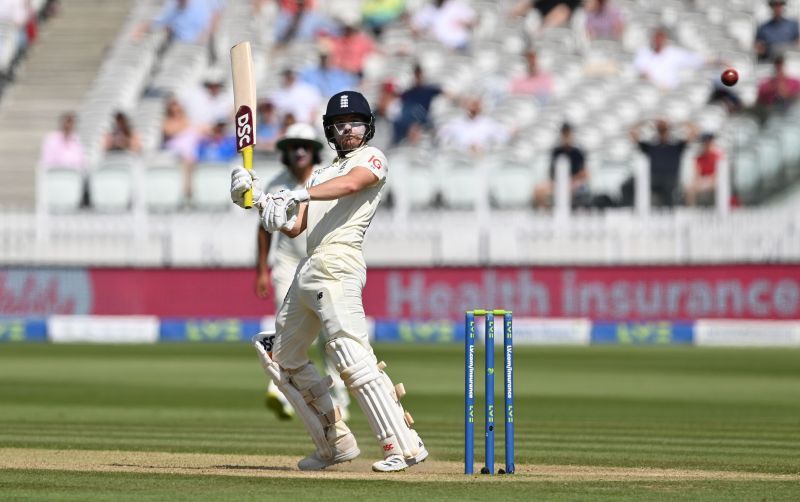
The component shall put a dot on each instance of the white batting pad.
(308, 393)
(377, 397)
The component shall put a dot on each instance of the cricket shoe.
(282, 409)
(314, 462)
(396, 463)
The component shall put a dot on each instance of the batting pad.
(377, 397)
(308, 393)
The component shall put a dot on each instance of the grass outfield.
(592, 423)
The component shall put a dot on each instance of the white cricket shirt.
(345, 220)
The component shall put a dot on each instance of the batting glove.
(243, 180)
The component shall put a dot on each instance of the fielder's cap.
(777, 2)
(346, 103)
(299, 133)
(706, 136)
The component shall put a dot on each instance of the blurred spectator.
(535, 82)
(287, 121)
(299, 20)
(180, 137)
(268, 127)
(777, 34)
(208, 103)
(475, 132)
(63, 148)
(376, 14)
(328, 79)
(604, 20)
(778, 92)
(448, 21)
(218, 145)
(122, 137)
(19, 14)
(299, 98)
(664, 156)
(662, 64)
(178, 134)
(188, 21)
(349, 51)
(415, 105)
(726, 96)
(552, 12)
(703, 183)
(387, 111)
(578, 174)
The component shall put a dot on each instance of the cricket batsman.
(334, 210)
(278, 255)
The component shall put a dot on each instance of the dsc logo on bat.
(244, 127)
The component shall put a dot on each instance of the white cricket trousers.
(324, 299)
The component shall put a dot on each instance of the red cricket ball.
(729, 77)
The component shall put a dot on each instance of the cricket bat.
(244, 105)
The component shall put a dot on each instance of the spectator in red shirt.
(535, 82)
(349, 51)
(780, 90)
(704, 181)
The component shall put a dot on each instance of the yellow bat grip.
(247, 161)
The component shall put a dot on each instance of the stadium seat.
(460, 178)
(742, 29)
(111, 188)
(462, 187)
(163, 188)
(745, 174)
(607, 174)
(511, 185)
(420, 187)
(211, 187)
(63, 188)
(788, 134)
(770, 159)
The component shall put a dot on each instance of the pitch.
(595, 423)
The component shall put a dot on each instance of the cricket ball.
(729, 77)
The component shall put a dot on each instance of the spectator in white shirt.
(208, 104)
(63, 148)
(448, 21)
(475, 132)
(662, 64)
(297, 98)
(17, 13)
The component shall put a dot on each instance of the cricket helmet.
(347, 103)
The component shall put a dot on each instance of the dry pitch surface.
(279, 466)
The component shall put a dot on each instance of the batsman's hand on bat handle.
(243, 182)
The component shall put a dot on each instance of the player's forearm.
(264, 243)
(333, 189)
(300, 224)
